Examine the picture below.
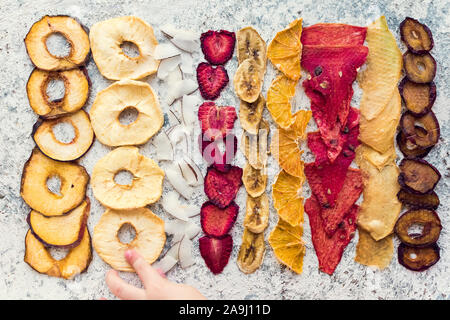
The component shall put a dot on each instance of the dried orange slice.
(285, 146)
(287, 244)
(285, 50)
(287, 197)
(279, 96)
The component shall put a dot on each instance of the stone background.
(272, 280)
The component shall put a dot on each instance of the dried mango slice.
(384, 67)
(287, 244)
(279, 96)
(373, 253)
(285, 145)
(379, 160)
(285, 50)
(287, 197)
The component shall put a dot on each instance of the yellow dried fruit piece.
(250, 114)
(248, 80)
(285, 50)
(257, 213)
(254, 147)
(279, 96)
(379, 160)
(251, 45)
(254, 180)
(287, 197)
(374, 253)
(287, 244)
(251, 253)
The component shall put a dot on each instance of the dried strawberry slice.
(211, 80)
(216, 252)
(221, 188)
(216, 122)
(213, 156)
(218, 46)
(333, 34)
(218, 222)
(329, 250)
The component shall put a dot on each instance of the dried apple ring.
(149, 240)
(419, 69)
(427, 219)
(70, 29)
(47, 142)
(76, 91)
(110, 103)
(418, 97)
(34, 191)
(416, 36)
(418, 259)
(418, 176)
(145, 188)
(106, 39)
(428, 122)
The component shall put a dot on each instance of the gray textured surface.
(272, 280)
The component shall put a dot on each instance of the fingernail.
(128, 254)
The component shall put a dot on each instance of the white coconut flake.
(185, 42)
(191, 172)
(178, 229)
(163, 146)
(168, 65)
(179, 88)
(170, 203)
(165, 264)
(166, 50)
(174, 76)
(187, 63)
(173, 251)
(173, 174)
(185, 253)
(188, 105)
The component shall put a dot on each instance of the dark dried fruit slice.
(418, 97)
(419, 69)
(329, 250)
(218, 46)
(428, 122)
(72, 31)
(416, 36)
(418, 259)
(251, 252)
(218, 222)
(333, 34)
(76, 91)
(212, 154)
(211, 80)
(418, 176)
(37, 170)
(408, 148)
(47, 142)
(75, 262)
(425, 201)
(221, 188)
(430, 225)
(216, 252)
(64, 231)
(216, 121)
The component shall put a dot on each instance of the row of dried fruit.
(58, 218)
(419, 133)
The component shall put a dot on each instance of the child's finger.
(122, 289)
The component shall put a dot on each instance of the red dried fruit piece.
(333, 34)
(418, 176)
(418, 97)
(218, 46)
(418, 259)
(428, 122)
(416, 36)
(427, 219)
(417, 201)
(216, 252)
(221, 188)
(211, 80)
(408, 148)
(419, 69)
(218, 222)
(213, 156)
(216, 121)
(329, 250)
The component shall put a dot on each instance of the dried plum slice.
(413, 200)
(428, 122)
(418, 259)
(417, 36)
(427, 219)
(419, 68)
(418, 97)
(410, 149)
(418, 176)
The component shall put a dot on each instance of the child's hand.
(156, 286)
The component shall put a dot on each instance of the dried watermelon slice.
(333, 34)
(329, 250)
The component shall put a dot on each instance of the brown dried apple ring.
(47, 142)
(418, 259)
(418, 176)
(428, 122)
(416, 36)
(408, 148)
(64, 231)
(76, 85)
(427, 219)
(149, 241)
(75, 262)
(34, 191)
(419, 69)
(418, 97)
(68, 27)
(416, 201)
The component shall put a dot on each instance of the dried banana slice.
(248, 80)
(251, 253)
(254, 147)
(250, 114)
(251, 45)
(255, 180)
(257, 213)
